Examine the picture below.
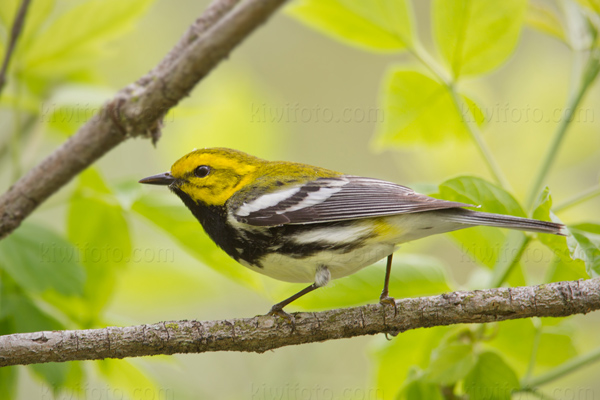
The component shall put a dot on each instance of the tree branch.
(263, 333)
(214, 12)
(15, 32)
(138, 109)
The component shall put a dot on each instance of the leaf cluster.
(427, 105)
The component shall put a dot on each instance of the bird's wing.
(336, 199)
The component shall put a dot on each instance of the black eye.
(202, 171)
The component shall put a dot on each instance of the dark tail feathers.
(468, 217)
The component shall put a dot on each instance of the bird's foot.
(278, 312)
(390, 301)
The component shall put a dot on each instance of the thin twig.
(580, 85)
(471, 124)
(578, 199)
(507, 260)
(566, 368)
(263, 333)
(423, 56)
(15, 32)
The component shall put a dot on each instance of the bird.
(300, 223)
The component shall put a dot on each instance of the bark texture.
(263, 333)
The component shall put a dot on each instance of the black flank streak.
(298, 250)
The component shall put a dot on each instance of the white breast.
(290, 269)
(404, 228)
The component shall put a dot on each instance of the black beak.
(160, 179)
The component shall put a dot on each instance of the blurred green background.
(290, 93)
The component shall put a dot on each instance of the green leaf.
(34, 18)
(75, 39)
(587, 227)
(543, 212)
(96, 223)
(584, 244)
(97, 226)
(8, 375)
(593, 5)
(476, 36)
(543, 18)
(560, 271)
(565, 267)
(75, 376)
(451, 362)
(419, 109)
(24, 100)
(26, 316)
(417, 388)
(478, 191)
(127, 192)
(490, 379)
(59, 377)
(71, 106)
(150, 281)
(8, 382)
(412, 275)
(382, 25)
(7, 13)
(178, 222)
(53, 374)
(39, 259)
(395, 358)
(514, 340)
(555, 348)
(125, 376)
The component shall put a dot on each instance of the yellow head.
(210, 176)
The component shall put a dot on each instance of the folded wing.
(336, 199)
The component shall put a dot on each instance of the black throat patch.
(246, 245)
(250, 245)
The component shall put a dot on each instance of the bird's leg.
(277, 309)
(385, 298)
(322, 277)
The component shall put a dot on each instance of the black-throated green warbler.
(299, 223)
